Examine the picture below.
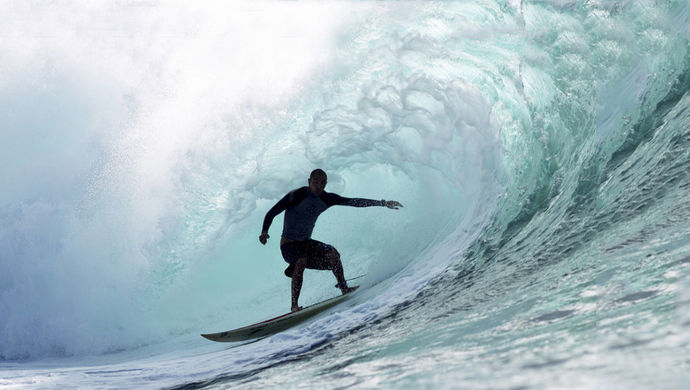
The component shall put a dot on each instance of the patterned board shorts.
(314, 251)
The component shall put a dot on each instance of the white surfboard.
(277, 324)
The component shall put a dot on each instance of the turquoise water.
(540, 150)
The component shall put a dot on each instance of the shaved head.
(318, 173)
(317, 181)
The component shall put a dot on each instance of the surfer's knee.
(333, 255)
(300, 265)
(333, 258)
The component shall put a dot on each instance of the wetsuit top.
(302, 208)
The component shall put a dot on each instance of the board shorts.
(314, 251)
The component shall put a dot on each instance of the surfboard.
(277, 324)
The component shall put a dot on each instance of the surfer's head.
(317, 181)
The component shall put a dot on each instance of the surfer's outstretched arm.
(392, 204)
(337, 200)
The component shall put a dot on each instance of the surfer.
(302, 207)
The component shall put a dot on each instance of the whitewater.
(541, 151)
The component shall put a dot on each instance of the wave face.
(540, 150)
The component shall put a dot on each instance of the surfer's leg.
(337, 267)
(325, 257)
(297, 274)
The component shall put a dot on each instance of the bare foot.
(296, 308)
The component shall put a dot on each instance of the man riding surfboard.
(302, 207)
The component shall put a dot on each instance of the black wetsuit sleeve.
(278, 208)
(292, 198)
(337, 200)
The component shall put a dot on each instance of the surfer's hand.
(263, 238)
(392, 204)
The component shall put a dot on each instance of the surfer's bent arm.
(278, 208)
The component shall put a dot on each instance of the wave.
(508, 130)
